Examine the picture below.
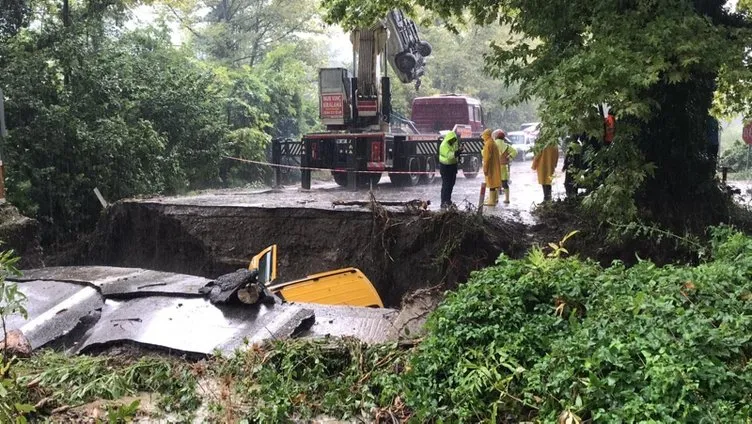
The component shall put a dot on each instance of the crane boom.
(363, 102)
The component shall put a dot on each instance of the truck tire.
(362, 180)
(408, 180)
(424, 48)
(340, 178)
(430, 167)
(471, 167)
(405, 62)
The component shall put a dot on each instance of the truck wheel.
(405, 62)
(413, 165)
(408, 180)
(471, 167)
(430, 167)
(340, 178)
(424, 48)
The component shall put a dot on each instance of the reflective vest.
(447, 151)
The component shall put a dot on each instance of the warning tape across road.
(308, 168)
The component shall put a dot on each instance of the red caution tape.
(308, 168)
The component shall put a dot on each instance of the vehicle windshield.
(516, 138)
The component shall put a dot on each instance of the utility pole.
(3, 136)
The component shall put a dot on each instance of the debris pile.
(89, 309)
(240, 286)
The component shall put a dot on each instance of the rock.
(21, 234)
(225, 288)
(17, 344)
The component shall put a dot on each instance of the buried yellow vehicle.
(347, 286)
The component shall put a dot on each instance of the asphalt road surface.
(525, 193)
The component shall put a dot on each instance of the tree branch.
(183, 23)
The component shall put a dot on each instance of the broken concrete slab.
(370, 325)
(121, 282)
(54, 308)
(95, 307)
(191, 325)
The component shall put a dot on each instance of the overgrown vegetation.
(13, 403)
(54, 380)
(91, 104)
(540, 337)
(294, 379)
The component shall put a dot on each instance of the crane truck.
(364, 138)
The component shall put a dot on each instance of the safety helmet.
(498, 134)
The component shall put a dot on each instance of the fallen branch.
(415, 203)
(60, 409)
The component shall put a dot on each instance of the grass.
(54, 381)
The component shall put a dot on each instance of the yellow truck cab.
(347, 286)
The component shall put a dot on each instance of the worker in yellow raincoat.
(491, 168)
(507, 153)
(545, 162)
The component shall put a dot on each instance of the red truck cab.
(441, 113)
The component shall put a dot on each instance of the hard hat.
(498, 134)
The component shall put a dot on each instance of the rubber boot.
(546, 193)
(506, 196)
(493, 198)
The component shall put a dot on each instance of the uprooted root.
(458, 241)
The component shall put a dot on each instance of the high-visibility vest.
(447, 151)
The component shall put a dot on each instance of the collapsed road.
(87, 309)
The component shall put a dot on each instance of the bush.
(542, 337)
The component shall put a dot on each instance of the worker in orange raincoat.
(491, 168)
(544, 163)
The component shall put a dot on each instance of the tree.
(14, 15)
(457, 66)
(82, 114)
(659, 63)
(242, 32)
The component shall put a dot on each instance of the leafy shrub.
(544, 336)
(344, 379)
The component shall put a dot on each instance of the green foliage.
(13, 403)
(243, 32)
(343, 379)
(91, 105)
(544, 336)
(123, 413)
(81, 379)
(456, 65)
(738, 158)
(95, 122)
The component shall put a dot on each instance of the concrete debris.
(177, 312)
(241, 285)
(16, 344)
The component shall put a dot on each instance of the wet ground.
(525, 193)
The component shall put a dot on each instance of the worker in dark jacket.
(449, 153)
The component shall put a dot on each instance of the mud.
(21, 234)
(398, 251)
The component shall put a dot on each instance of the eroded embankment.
(398, 251)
